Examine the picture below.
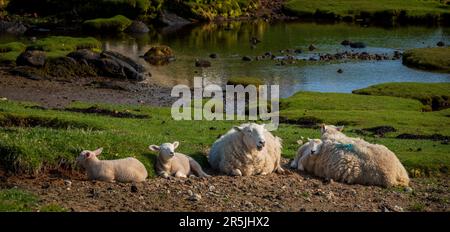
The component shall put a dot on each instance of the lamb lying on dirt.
(312, 147)
(246, 150)
(121, 170)
(355, 161)
(170, 163)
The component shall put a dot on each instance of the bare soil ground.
(293, 191)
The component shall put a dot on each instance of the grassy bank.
(431, 59)
(377, 10)
(10, 51)
(117, 23)
(435, 96)
(16, 200)
(32, 139)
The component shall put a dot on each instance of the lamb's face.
(87, 155)
(166, 150)
(314, 146)
(331, 129)
(253, 135)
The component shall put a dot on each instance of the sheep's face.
(253, 135)
(331, 129)
(166, 150)
(314, 146)
(87, 155)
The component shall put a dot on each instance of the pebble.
(3, 99)
(195, 197)
(134, 189)
(398, 208)
(212, 188)
(190, 193)
(68, 182)
(408, 189)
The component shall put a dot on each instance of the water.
(231, 41)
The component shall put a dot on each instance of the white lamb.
(355, 161)
(246, 150)
(312, 147)
(121, 170)
(170, 163)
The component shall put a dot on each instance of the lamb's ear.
(323, 128)
(340, 128)
(238, 128)
(309, 140)
(300, 142)
(153, 147)
(176, 144)
(98, 151)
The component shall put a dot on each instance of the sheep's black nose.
(172, 153)
(312, 152)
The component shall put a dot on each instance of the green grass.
(17, 200)
(208, 9)
(245, 81)
(435, 96)
(57, 46)
(117, 23)
(432, 59)
(10, 51)
(377, 9)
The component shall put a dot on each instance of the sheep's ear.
(153, 148)
(176, 144)
(309, 140)
(238, 128)
(300, 142)
(98, 151)
(323, 128)
(340, 128)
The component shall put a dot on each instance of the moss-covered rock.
(58, 46)
(117, 23)
(159, 55)
(431, 59)
(10, 51)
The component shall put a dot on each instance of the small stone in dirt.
(68, 182)
(353, 192)
(408, 189)
(212, 188)
(340, 71)
(195, 197)
(248, 204)
(134, 189)
(190, 193)
(397, 208)
(330, 196)
(45, 186)
(94, 193)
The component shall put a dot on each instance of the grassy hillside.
(431, 59)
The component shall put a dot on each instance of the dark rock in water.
(12, 27)
(357, 45)
(346, 42)
(84, 54)
(246, 58)
(117, 56)
(172, 19)
(340, 71)
(118, 69)
(268, 54)
(137, 27)
(202, 63)
(254, 40)
(33, 58)
(298, 51)
(397, 55)
(27, 72)
(159, 55)
(440, 44)
(312, 47)
(213, 56)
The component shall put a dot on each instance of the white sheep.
(355, 161)
(248, 149)
(312, 147)
(121, 170)
(171, 163)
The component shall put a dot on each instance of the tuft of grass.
(431, 59)
(15, 200)
(245, 81)
(117, 23)
(10, 51)
(435, 96)
(417, 207)
(57, 46)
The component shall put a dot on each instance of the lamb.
(355, 161)
(170, 163)
(248, 149)
(312, 147)
(121, 170)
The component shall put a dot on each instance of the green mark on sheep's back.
(117, 23)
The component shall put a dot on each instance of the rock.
(357, 45)
(346, 42)
(137, 27)
(34, 58)
(408, 189)
(84, 54)
(212, 188)
(213, 56)
(172, 19)
(195, 197)
(134, 189)
(190, 193)
(68, 182)
(298, 51)
(27, 72)
(12, 27)
(3, 99)
(312, 47)
(202, 63)
(340, 71)
(397, 208)
(159, 55)
(117, 69)
(117, 56)
(246, 58)
(440, 44)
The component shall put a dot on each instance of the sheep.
(312, 147)
(121, 170)
(355, 161)
(248, 149)
(170, 163)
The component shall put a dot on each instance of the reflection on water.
(230, 41)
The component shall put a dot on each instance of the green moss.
(432, 59)
(10, 51)
(57, 46)
(117, 23)
(245, 81)
(15, 200)
(435, 96)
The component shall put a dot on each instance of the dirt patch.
(306, 121)
(293, 191)
(106, 112)
(380, 130)
(9, 120)
(434, 137)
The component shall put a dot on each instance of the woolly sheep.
(355, 161)
(312, 147)
(248, 149)
(121, 170)
(170, 163)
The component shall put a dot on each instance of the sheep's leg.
(280, 170)
(180, 174)
(197, 169)
(294, 163)
(236, 172)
